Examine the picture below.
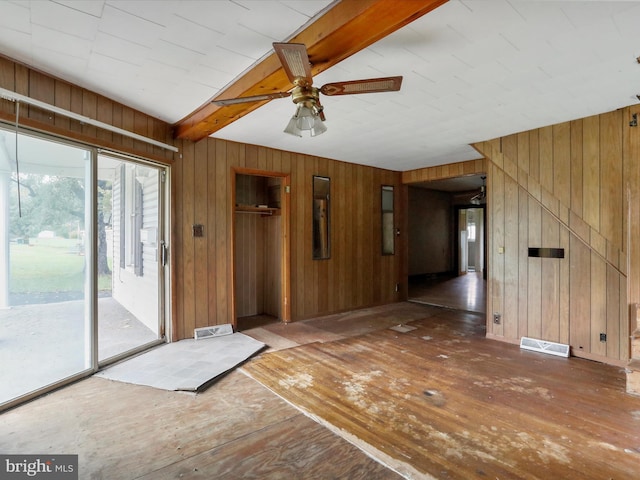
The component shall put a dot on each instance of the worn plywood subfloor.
(443, 402)
(236, 429)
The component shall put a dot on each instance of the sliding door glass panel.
(45, 267)
(129, 241)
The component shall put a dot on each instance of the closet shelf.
(257, 210)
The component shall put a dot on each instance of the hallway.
(466, 292)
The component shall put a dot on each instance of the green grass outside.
(49, 265)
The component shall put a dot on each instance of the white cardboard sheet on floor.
(185, 365)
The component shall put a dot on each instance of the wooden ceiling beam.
(346, 28)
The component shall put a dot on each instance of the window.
(388, 237)
(130, 199)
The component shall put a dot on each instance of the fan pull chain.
(17, 163)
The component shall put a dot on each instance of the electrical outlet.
(603, 337)
(198, 230)
(497, 318)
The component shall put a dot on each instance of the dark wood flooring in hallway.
(466, 292)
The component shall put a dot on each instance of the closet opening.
(261, 248)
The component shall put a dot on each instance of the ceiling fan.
(309, 112)
(481, 196)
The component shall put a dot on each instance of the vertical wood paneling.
(562, 162)
(511, 255)
(611, 188)
(320, 268)
(359, 222)
(260, 243)
(523, 151)
(545, 142)
(297, 234)
(598, 304)
(632, 188)
(534, 272)
(579, 288)
(303, 192)
(63, 100)
(327, 295)
(42, 87)
(212, 231)
(576, 167)
(7, 80)
(117, 119)
(602, 152)
(498, 263)
(188, 245)
(523, 262)
(564, 289)
(22, 80)
(370, 240)
(127, 122)
(341, 229)
(550, 306)
(175, 241)
(591, 171)
(534, 155)
(310, 303)
(510, 147)
(200, 215)
(272, 273)
(351, 245)
(431, 173)
(613, 313)
(624, 340)
(223, 262)
(581, 206)
(104, 113)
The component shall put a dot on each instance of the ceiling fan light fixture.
(305, 119)
(481, 197)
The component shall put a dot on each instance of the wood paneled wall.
(430, 231)
(439, 172)
(258, 258)
(573, 186)
(357, 274)
(32, 83)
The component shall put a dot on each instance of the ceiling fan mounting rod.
(303, 92)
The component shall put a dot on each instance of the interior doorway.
(447, 239)
(471, 240)
(261, 287)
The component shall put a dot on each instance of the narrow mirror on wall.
(321, 224)
(388, 237)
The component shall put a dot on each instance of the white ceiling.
(473, 69)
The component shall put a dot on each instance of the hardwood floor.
(235, 429)
(440, 401)
(465, 292)
(444, 402)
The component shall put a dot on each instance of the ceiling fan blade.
(295, 61)
(254, 98)
(371, 85)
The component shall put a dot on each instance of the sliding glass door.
(80, 272)
(45, 272)
(129, 252)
